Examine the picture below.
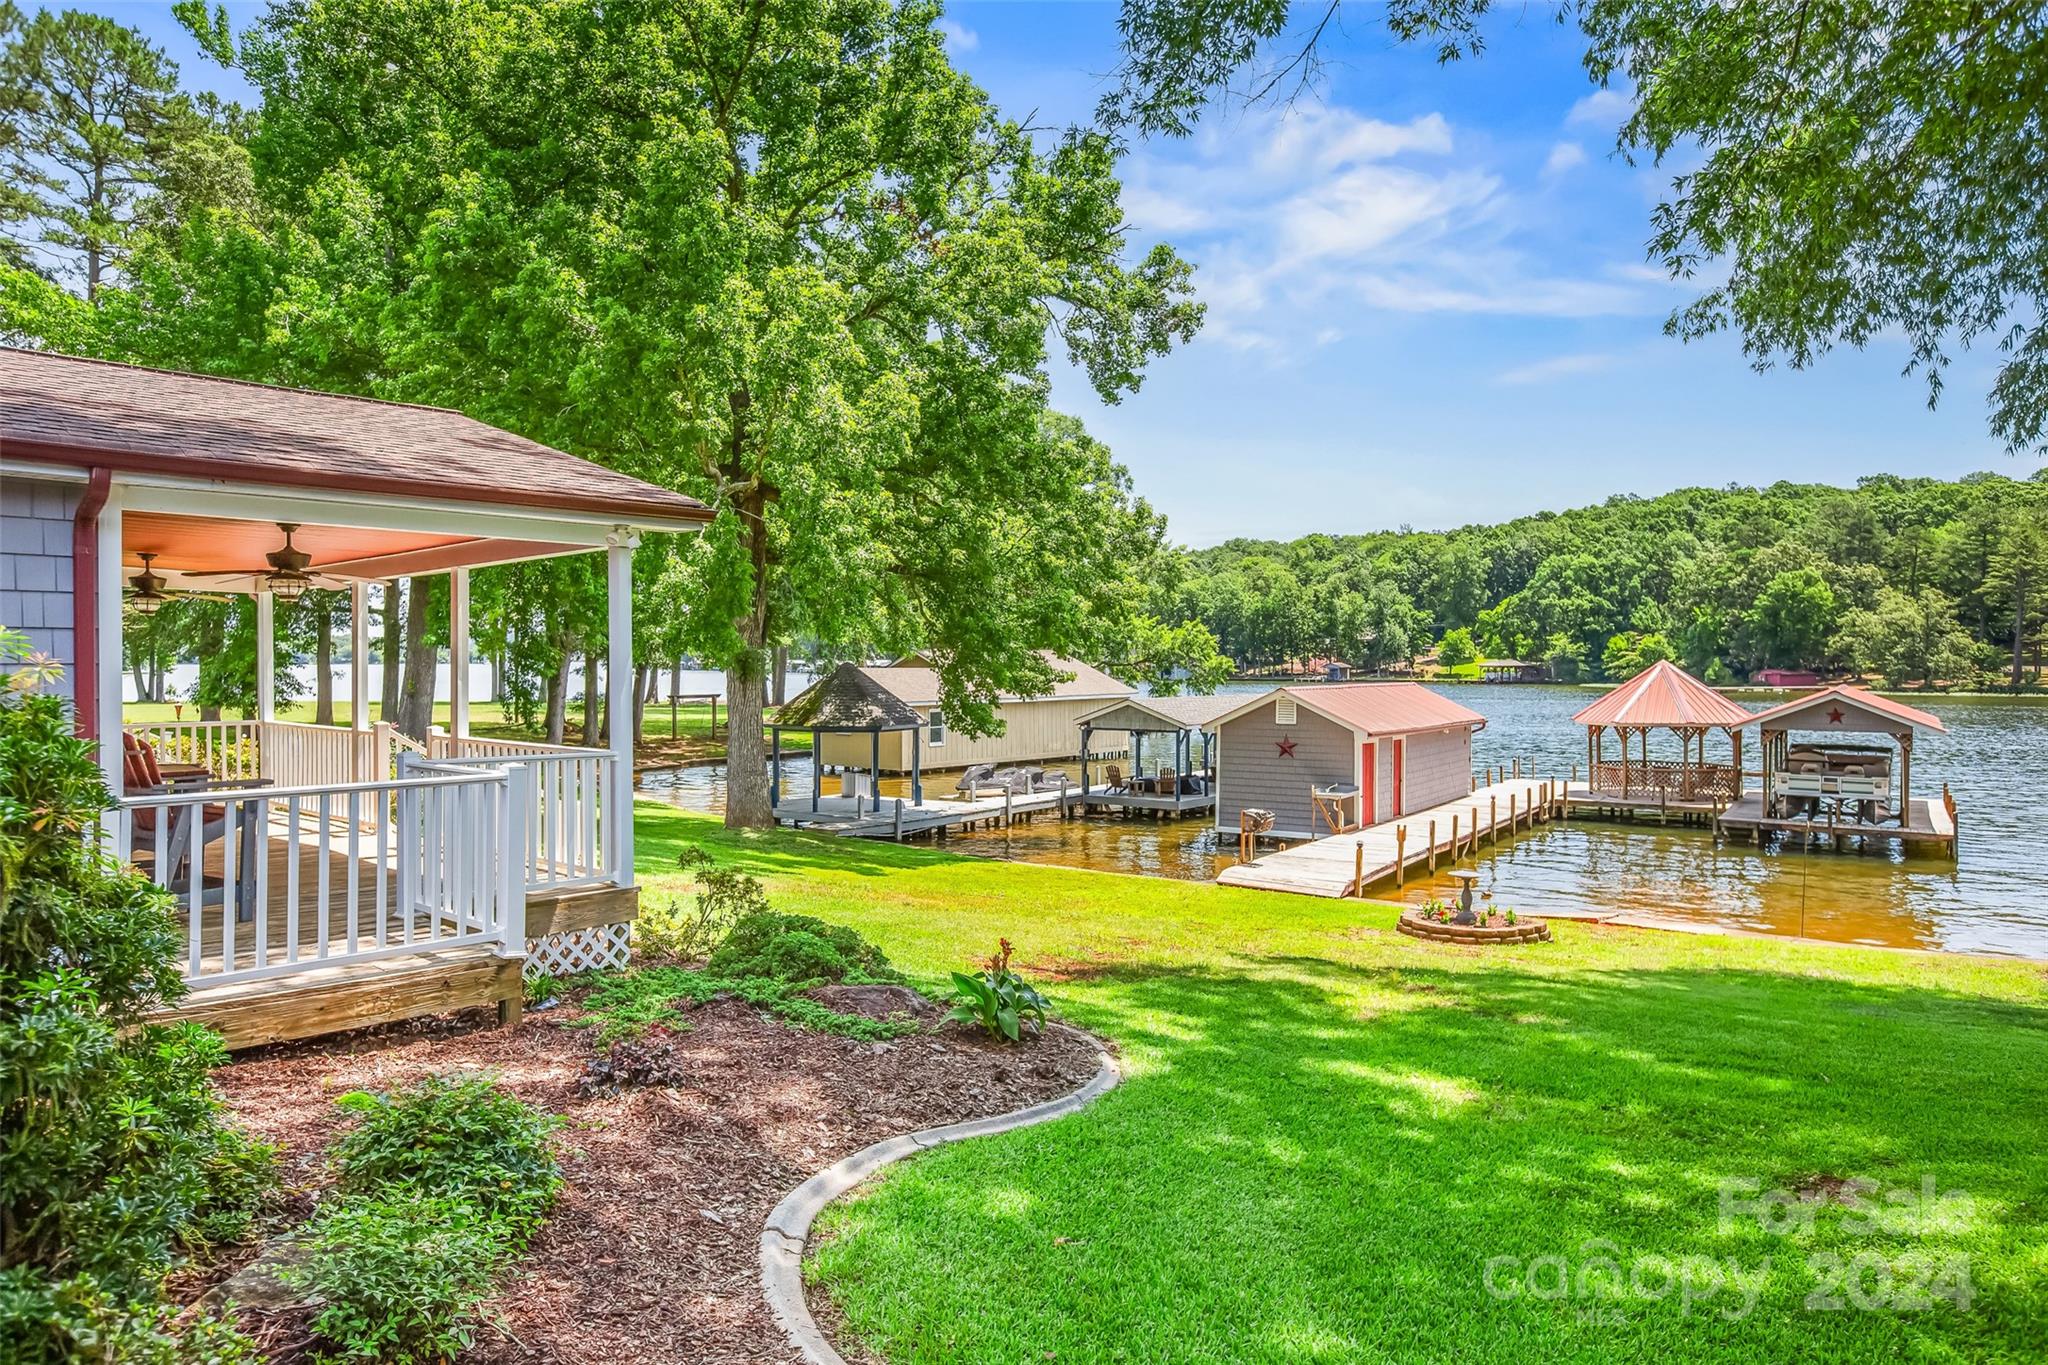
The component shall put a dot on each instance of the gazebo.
(1663, 697)
(846, 701)
(1849, 778)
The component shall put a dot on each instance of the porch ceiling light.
(288, 578)
(148, 586)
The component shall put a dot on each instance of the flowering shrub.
(998, 999)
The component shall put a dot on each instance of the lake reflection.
(1994, 898)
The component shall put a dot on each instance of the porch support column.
(107, 650)
(359, 655)
(916, 765)
(458, 653)
(266, 657)
(874, 771)
(618, 587)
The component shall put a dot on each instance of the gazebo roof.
(1664, 695)
(847, 699)
(1843, 707)
(1188, 712)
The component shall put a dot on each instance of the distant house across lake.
(1785, 677)
(1035, 728)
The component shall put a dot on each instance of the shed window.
(935, 734)
(1283, 711)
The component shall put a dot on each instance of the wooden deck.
(1346, 864)
(1928, 822)
(856, 818)
(354, 994)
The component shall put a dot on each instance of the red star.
(1835, 716)
(1286, 748)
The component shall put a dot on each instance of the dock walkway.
(1345, 864)
(856, 818)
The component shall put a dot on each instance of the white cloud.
(1607, 108)
(1558, 367)
(1327, 138)
(1365, 209)
(959, 37)
(1149, 210)
(1563, 157)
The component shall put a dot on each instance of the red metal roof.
(125, 417)
(1664, 694)
(1376, 708)
(1858, 697)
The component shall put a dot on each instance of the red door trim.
(1368, 776)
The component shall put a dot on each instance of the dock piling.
(1454, 838)
(1400, 855)
(1493, 818)
(1358, 869)
(1432, 847)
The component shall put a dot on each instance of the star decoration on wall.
(1286, 747)
(1835, 716)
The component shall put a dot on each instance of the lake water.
(1993, 898)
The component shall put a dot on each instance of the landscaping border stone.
(788, 1229)
(1526, 930)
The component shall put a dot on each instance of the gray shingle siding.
(35, 566)
(1251, 773)
(1439, 768)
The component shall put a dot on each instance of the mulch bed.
(652, 1251)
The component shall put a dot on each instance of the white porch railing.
(570, 838)
(566, 833)
(273, 880)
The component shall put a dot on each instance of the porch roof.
(71, 410)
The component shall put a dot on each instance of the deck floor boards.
(1329, 866)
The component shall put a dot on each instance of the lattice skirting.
(603, 948)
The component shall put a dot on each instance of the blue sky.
(1428, 300)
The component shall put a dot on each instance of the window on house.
(1283, 711)
(935, 734)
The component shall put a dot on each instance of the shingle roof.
(918, 684)
(95, 412)
(1859, 697)
(847, 699)
(1663, 695)
(1376, 708)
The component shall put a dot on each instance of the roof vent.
(1283, 711)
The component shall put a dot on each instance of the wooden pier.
(1347, 864)
(1929, 822)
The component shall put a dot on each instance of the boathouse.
(1034, 728)
(324, 877)
(1326, 757)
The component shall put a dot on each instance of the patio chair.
(1113, 780)
(191, 827)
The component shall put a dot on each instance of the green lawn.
(1328, 1131)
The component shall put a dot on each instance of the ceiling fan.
(148, 590)
(289, 574)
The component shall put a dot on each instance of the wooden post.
(1400, 855)
(1514, 822)
(1432, 846)
(1492, 818)
(1006, 807)
(1518, 770)
(1454, 838)
(1358, 869)
(899, 819)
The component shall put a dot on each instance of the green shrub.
(456, 1136)
(240, 1174)
(625, 1004)
(788, 948)
(998, 999)
(113, 1152)
(78, 1320)
(400, 1279)
(725, 896)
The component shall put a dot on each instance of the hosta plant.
(998, 999)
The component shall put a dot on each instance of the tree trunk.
(779, 684)
(558, 698)
(393, 623)
(323, 663)
(416, 697)
(590, 721)
(746, 764)
(497, 676)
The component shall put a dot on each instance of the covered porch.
(1181, 781)
(326, 876)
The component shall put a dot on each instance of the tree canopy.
(1907, 578)
(1847, 168)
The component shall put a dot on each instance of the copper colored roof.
(1375, 708)
(1185, 711)
(1860, 698)
(1664, 694)
(125, 417)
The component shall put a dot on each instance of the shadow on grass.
(1318, 1161)
(660, 833)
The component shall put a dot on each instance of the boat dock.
(899, 818)
(1346, 864)
(1930, 822)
